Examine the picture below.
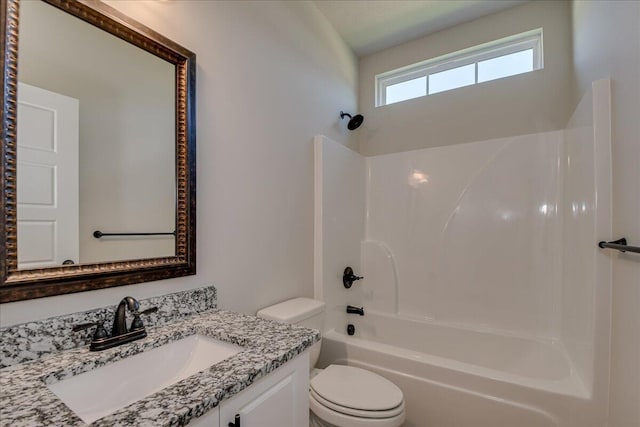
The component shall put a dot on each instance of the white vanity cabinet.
(281, 399)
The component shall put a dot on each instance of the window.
(506, 57)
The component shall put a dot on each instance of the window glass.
(406, 90)
(517, 54)
(504, 66)
(453, 78)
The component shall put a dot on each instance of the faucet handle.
(149, 310)
(82, 326)
(137, 323)
(348, 277)
(100, 332)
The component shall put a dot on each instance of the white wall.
(518, 105)
(606, 38)
(270, 76)
(126, 130)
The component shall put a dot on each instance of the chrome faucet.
(119, 321)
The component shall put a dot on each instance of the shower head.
(354, 121)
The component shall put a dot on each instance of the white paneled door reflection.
(47, 178)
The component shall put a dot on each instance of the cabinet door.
(281, 399)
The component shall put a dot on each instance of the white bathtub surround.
(586, 274)
(473, 230)
(484, 287)
(339, 224)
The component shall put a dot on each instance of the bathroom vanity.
(264, 383)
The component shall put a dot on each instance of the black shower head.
(354, 122)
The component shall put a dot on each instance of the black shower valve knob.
(348, 277)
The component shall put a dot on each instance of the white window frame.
(505, 46)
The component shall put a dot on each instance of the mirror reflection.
(96, 144)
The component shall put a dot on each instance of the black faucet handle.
(149, 310)
(137, 322)
(100, 332)
(82, 326)
(348, 277)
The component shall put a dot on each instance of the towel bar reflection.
(620, 245)
(98, 234)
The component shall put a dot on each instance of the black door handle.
(236, 423)
(68, 262)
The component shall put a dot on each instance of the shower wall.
(474, 230)
(586, 211)
(465, 235)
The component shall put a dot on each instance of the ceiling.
(369, 26)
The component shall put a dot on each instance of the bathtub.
(458, 377)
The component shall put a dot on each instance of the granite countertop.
(25, 399)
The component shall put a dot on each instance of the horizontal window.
(452, 78)
(506, 57)
(505, 66)
(406, 90)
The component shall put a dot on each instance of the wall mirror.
(98, 150)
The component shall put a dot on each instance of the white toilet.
(340, 396)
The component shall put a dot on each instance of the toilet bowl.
(340, 396)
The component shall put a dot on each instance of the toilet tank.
(305, 312)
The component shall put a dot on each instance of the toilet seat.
(389, 413)
(350, 396)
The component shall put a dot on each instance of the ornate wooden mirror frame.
(26, 284)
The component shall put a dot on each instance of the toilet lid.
(356, 388)
(315, 399)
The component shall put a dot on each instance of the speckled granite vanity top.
(25, 399)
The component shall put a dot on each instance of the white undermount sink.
(102, 391)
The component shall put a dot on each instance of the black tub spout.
(355, 310)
